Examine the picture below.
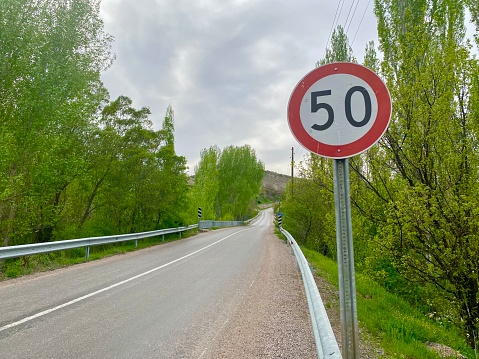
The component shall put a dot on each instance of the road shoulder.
(272, 320)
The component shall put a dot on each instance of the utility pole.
(292, 169)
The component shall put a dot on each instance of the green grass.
(401, 329)
(16, 267)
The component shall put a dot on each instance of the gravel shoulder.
(272, 320)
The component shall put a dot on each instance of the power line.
(333, 25)
(352, 16)
(362, 18)
(349, 13)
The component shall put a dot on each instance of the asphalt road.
(168, 301)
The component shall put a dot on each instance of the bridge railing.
(205, 224)
(326, 344)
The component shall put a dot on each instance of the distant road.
(168, 301)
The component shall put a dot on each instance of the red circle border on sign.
(381, 121)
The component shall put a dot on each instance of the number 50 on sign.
(339, 110)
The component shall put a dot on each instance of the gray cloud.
(226, 67)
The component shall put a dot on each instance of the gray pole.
(344, 239)
(292, 170)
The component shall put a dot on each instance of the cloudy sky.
(227, 67)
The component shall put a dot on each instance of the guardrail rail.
(46, 247)
(326, 345)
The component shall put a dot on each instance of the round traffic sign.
(339, 110)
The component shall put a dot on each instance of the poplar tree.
(240, 175)
(227, 182)
(426, 172)
(205, 190)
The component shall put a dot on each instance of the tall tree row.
(227, 182)
(427, 172)
(72, 162)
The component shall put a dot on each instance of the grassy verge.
(16, 267)
(402, 330)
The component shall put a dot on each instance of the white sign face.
(333, 91)
(339, 110)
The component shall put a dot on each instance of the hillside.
(274, 185)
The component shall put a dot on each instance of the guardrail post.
(136, 243)
(162, 237)
(87, 252)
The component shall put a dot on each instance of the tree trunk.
(88, 208)
(469, 310)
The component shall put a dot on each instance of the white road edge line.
(58, 307)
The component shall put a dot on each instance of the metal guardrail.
(46, 247)
(205, 224)
(326, 344)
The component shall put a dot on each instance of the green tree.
(227, 182)
(74, 162)
(172, 183)
(52, 53)
(309, 210)
(121, 139)
(371, 60)
(340, 50)
(426, 170)
(134, 180)
(240, 176)
(206, 185)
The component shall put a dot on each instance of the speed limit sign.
(339, 110)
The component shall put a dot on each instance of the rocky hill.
(274, 185)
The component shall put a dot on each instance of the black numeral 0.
(367, 104)
(315, 107)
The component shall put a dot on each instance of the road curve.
(177, 300)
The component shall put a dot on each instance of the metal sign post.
(344, 240)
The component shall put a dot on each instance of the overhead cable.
(362, 18)
(333, 25)
(352, 16)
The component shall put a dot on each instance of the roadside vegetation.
(402, 329)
